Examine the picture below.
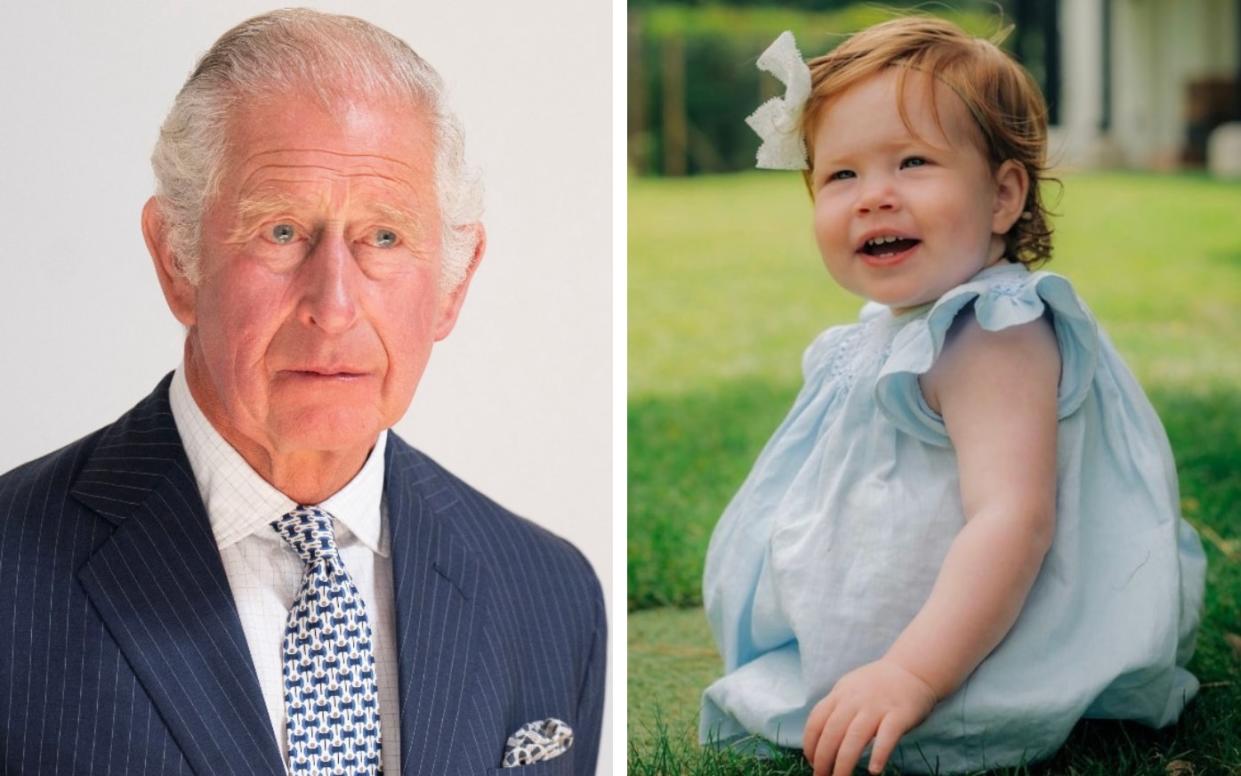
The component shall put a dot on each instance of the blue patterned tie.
(329, 668)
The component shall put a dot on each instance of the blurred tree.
(1036, 44)
(802, 5)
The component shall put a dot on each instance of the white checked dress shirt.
(264, 572)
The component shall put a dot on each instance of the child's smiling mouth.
(885, 250)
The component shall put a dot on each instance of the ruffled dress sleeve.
(1008, 297)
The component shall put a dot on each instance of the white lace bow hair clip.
(778, 121)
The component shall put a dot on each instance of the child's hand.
(880, 700)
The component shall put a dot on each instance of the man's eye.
(283, 234)
(384, 238)
(841, 175)
(913, 161)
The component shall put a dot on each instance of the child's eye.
(913, 161)
(841, 175)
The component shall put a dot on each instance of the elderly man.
(247, 573)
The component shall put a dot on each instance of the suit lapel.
(438, 584)
(160, 588)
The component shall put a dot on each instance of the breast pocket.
(557, 766)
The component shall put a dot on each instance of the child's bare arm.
(997, 394)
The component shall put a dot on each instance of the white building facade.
(1144, 81)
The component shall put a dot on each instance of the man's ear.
(450, 305)
(1012, 184)
(178, 291)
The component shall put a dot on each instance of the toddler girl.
(965, 536)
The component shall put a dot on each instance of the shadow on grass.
(1095, 748)
(687, 456)
(673, 754)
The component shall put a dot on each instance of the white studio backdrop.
(517, 400)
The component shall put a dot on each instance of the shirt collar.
(240, 503)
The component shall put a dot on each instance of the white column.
(1076, 141)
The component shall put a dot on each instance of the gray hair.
(334, 56)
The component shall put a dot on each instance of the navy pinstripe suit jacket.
(121, 650)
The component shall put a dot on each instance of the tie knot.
(308, 530)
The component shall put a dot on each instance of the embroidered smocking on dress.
(835, 539)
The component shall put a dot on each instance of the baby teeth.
(882, 240)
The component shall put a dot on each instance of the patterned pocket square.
(537, 741)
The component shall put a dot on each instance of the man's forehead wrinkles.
(249, 183)
(287, 194)
(340, 154)
(270, 196)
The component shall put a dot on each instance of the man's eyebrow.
(256, 208)
(411, 222)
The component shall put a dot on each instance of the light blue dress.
(835, 539)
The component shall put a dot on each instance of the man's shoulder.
(58, 468)
(35, 507)
(147, 425)
(504, 540)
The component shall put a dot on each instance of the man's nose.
(877, 193)
(329, 285)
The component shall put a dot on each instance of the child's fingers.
(860, 731)
(819, 715)
(829, 741)
(890, 730)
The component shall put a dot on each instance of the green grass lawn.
(726, 290)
